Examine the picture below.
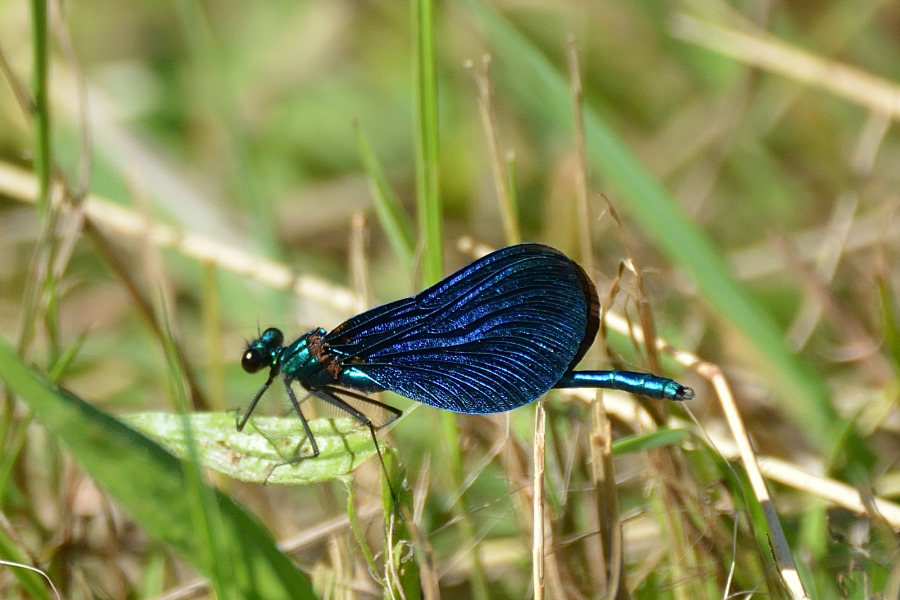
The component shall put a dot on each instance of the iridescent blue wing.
(494, 336)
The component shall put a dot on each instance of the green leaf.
(150, 483)
(260, 453)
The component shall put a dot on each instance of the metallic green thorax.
(307, 360)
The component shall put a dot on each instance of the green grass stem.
(426, 141)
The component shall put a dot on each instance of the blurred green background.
(759, 204)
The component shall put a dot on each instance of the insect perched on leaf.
(494, 336)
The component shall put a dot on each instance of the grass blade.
(41, 83)
(429, 199)
(649, 441)
(397, 226)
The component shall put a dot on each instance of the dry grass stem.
(764, 51)
(21, 185)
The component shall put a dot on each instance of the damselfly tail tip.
(684, 393)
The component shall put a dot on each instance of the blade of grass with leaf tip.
(540, 87)
(397, 226)
(111, 451)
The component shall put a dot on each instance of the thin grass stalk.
(537, 527)
(201, 503)
(610, 572)
(503, 176)
(427, 173)
(40, 81)
(211, 309)
(582, 172)
(430, 241)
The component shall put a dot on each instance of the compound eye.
(273, 336)
(252, 361)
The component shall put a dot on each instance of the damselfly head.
(262, 352)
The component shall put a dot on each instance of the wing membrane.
(492, 337)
